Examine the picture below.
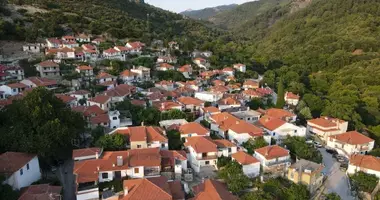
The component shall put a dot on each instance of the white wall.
(18, 181)
(352, 169)
(241, 138)
(349, 149)
(84, 157)
(208, 96)
(224, 152)
(88, 194)
(252, 170)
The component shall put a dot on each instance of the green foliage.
(29, 69)
(117, 185)
(173, 114)
(205, 123)
(279, 189)
(97, 133)
(363, 182)
(170, 75)
(223, 161)
(111, 142)
(255, 104)
(257, 195)
(6, 191)
(298, 148)
(375, 152)
(175, 142)
(144, 61)
(333, 196)
(150, 116)
(280, 95)
(40, 123)
(253, 144)
(241, 76)
(233, 175)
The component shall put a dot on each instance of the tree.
(280, 95)
(253, 144)
(299, 149)
(257, 195)
(233, 175)
(111, 142)
(223, 161)
(255, 104)
(97, 133)
(364, 182)
(173, 114)
(333, 196)
(150, 116)
(40, 123)
(6, 191)
(175, 142)
(297, 192)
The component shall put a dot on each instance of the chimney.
(267, 151)
(96, 155)
(125, 191)
(98, 168)
(142, 123)
(119, 161)
(162, 106)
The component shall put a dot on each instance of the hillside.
(208, 13)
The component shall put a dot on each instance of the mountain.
(207, 13)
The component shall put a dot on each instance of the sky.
(182, 5)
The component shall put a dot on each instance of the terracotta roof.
(166, 65)
(136, 44)
(222, 143)
(352, 138)
(54, 40)
(218, 82)
(166, 105)
(264, 91)
(98, 119)
(127, 73)
(17, 85)
(219, 88)
(81, 92)
(190, 101)
(290, 95)
(121, 48)
(41, 192)
(244, 158)
(185, 68)
(148, 189)
(11, 162)
(193, 127)
(201, 144)
(176, 189)
(224, 120)
(84, 67)
(326, 122)
(89, 46)
(200, 59)
(65, 98)
(207, 74)
(365, 161)
(120, 91)
(271, 123)
(168, 157)
(108, 83)
(242, 127)
(228, 101)
(110, 51)
(86, 152)
(211, 109)
(251, 83)
(279, 113)
(138, 102)
(101, 99)
(212, 190)
(164, 82)
(48, 63)
(252, 93)
(228, 69)
(39, 81)
(89, 111)
(271, 152)
(104, 75)
(145, 133)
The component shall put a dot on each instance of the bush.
(364, 182)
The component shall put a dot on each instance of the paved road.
(337, 180)
(67, 179)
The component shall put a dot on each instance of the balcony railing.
(207, 157)
(87, 186)
(151, 172)
(273, 163)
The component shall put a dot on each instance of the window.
(229, 150)
(249, 118)
(207, 162)
(136, 170)
(291, 175)
(138, 146)
(21, 172)
(114, 118)
(27, 166)
(104, 175)
(163, 145)
(14, 90)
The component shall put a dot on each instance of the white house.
(240, 67)
(250, 165)
(228, 102)
(165, 67)
(103, 101)
(19, 169)
(228, 71)
(326, 126)
(350, 143)
(279, 129)
(225, 147)
(85, 70)
(81, 94)
(32, 48)
(104, 77)
(128, 76)
(247, 115)
(365, 163)
(209, 96)
(143, 73)
(193, 129)
(241, 131)
(87, 153)
(273, 158)
(13, 89)
(166, 59)
(291, 99)
(202, 153)
(113, 54)
(48, 69)
(165, 85)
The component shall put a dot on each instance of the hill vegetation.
(208, 13)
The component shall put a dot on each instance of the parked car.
(317, 144)
(332, 151)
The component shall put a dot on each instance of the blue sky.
(182, 5)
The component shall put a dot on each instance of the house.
(225, 147)
(209, 96)
(307, 173)
(173, 45)
(250, 165)
(83, 38)
(326, 126)
(40, 192)
(103, 101)
(48, 69)
(102, 120)
(228, 71)
(114, 165)
(10, 73)
(191, 103)
(64, 53)
(19, 169)
(241, 131)
(81, 94)
(53, 43)
(207, 75)
(201, 63)
(221, 122)
(33, 82)
(365, 163)
(87, 153)
(279, 129)
(136, 47)
(219, 89)
(186, 70)
(281, 114)
(165, 85)
(97, 41)
(212, 189)
(240, 67)
(246, 114)
(143, 73)
(165, 106)
(250, 94)
(67, 99)
(210, 110)
(251, 84)
(218, 82)
(128, 76)
(174, 164)
(202, 153)
(89, 112)
(167, 59)
(228, 102)
(32, 48)
(155, 188)
(13, 89)
(113, 54)
(193, 129)
(120, 92)
(104, 77)
(85, 70)
(274, 159)
(350, 143)
(141, 137)
(165, 67)
(291, 99)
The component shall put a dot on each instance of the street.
(67, 180)
(337, 181)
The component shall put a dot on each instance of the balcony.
(280, 162)
(207, 157)
(151, 172)
(85, 187)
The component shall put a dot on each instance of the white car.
(318, 145)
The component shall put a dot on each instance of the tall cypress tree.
(280, 95)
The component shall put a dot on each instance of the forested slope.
(208, 13)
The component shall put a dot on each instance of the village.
(207, 123)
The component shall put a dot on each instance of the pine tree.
(280, 95)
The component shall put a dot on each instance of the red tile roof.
(224, 120)
(212, 190)
(84, 67)
(39, 81)
(352, 138)
(201, 144)
(89, 111)
(166, 105)
(228, 69)
(120, 91)
(193, 127)
(242, 127)
(98, 119)
(279, 113)
(365, 162)
(290, 95)
(244, 158)
(271, 123)
(222, 143)
(145, 133)
(103, 75)
(228, 101)
(127, 73)
(190, 101)
(11, 162)
(48, 63)
(81, 92)
(101, 99)
(86, 152)
(251, 83)
(17, 85)
(65, 98)
(271, 152)
(211, 109)
(110, 51)
(41, 192)
(326, 122)
(148, 189)
(219, 88)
